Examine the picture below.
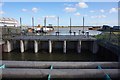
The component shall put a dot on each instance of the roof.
(4, 20)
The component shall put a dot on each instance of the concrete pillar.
(95, 47)
(35, 46)
(64, 47)
(79, 47)
(50, 46)
(22, 46)
(9, 47)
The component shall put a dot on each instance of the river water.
(65, 31)
(58, 55)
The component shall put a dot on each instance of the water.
(65, 31)
(58, 55)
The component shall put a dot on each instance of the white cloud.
(102, 16)
(35, 9)
(24, 10)
(102, 10)
(112, 10)
(2, 12)
(52, 16)
(99, 16)
(92, 11)
(77, 14)
(82, 5)
(70, 9)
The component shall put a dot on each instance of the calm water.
(65, 31)
(58, 55)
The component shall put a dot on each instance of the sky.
(95, 13)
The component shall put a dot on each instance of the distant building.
(8, 22)
(105, 27)
(116, 27)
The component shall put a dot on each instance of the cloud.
(102, 10)
(34, 10)
(70, 9)
(99, 16)
(92, 11)
(2, 12)
(113, 10)
(77, 14)
(24, 10)
(51, 16)
(82, 5)
(102, 16)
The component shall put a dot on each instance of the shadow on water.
(58, 55)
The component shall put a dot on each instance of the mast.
(45, 24)
(70, 25)
(33, 22)
(20, 24)
(83, 23)
(58, 23)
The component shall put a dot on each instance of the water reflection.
(22, 56)
(102, 55)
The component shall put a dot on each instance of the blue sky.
(95, 13)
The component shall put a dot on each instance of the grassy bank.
(113, 37)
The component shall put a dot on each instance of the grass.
(114, 38)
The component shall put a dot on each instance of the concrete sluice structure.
(50, 43)
(56, 70)
(59, 70)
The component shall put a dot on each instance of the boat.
(47, 29)
(43, 29)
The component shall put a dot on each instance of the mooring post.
(21, 46)
(64, 46)
(9, 47)
(35, 46)
(79, 32)
(50, 46)
(79, 47)
(87, 34)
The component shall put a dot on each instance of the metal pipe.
(106, 75)
(60, 65)
(59, 73)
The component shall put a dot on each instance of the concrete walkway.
(54, 37)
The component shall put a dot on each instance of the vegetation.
(113, 37)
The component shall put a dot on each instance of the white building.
(8, 22)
